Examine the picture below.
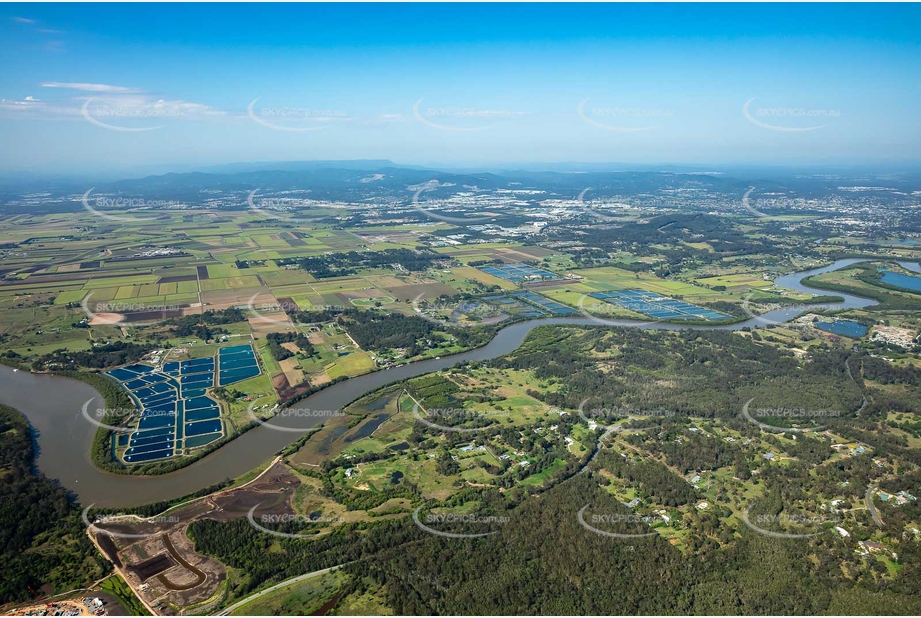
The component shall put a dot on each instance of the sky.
(88, 88)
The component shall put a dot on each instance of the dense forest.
(205, 325)
(380, 332)
(100, 357)
(341, 264)
(43, 541)
(689, 373)
(542, 561)
(280, 353)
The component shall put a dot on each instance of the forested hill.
(544, 562)
(698, 373)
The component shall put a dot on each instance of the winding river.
(53, 406)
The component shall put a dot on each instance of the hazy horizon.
(472, 86)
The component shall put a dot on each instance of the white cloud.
(104, 101)
(86, 87)
(24, 20)
(36, 109)
(486, 113)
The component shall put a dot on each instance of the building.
(902, 337)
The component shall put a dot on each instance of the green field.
(299, 599)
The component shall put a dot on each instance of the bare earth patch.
(100, 319)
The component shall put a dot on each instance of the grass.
(468, 272)
(70, 296)
(743, 280)
(536, 480)
(355, 363)
(619, 279)
(369, 603)
(299, 599)
(372, 302)
(117, 587)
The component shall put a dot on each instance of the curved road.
(868, 497)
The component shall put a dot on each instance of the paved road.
(872, 507)
(287, 582)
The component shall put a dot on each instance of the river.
(53, 406)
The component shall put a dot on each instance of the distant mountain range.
(360, 181)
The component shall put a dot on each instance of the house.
(768, 456)
(872, 547)
(842, 532)
(633, 503)
(665, 518)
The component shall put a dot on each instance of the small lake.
(903, 281)
(368, 428)
(847, 328)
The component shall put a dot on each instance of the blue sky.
(103, 87)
